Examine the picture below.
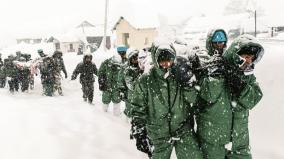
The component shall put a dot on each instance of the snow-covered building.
(92, 35)
(134, 32)
(29, 40)
(84, 37)
(235, 25)
(66, 43)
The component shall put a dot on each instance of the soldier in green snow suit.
(108, 79)
(11, 73)
(2, 73)
(163, 108)
(48, 72)
(59, 66)
(128, 78)
(219, 121)
(214, 117)
(243, 54)
(216, 42)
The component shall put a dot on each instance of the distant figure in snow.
(108, 80)
(59, 66)
(47, 71)
(2, 73)
(23, 73)
(11, 73)
(127, 79)
(87, 69)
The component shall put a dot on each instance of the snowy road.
(62, 127)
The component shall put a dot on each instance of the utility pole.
(105, 27)
(255, 23)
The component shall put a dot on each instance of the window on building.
(125, 39)
(71, 46)
(57, 46)
(146, 41)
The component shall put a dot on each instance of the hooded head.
(41, 53)
(121, 50)
(87, 58)
(27, 56)
(216, 41)
(163, 55)
(245, 51)
(133, 58)
(57, 54)
(18, 53)
(11, 57)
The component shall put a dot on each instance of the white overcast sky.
(30, 18)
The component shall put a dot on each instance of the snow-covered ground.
(266, 119)
(33, 126)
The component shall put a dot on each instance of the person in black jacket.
(86, 69)
(2, 73)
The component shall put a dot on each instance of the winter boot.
(116, 109)
(85, 98)
(90, 101)
(60, 91)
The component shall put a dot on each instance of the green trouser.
(127, 110)
(111, 96)
(186, 148)
(48, 89)
(240, 136)
(88, 90)
(213, 151)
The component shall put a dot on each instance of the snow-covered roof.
(85, 24)
(198, 27)
(89, 31)
(205, 23)
(138, 22)
(67, 38)
(80, 34)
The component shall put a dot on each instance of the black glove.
(73, 77)
(102, 83)
(234, 80)
(143, 143)
(66, 76)
(123, 95)
(183, 71)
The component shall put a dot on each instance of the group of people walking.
(19, 71)
(197, 103)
